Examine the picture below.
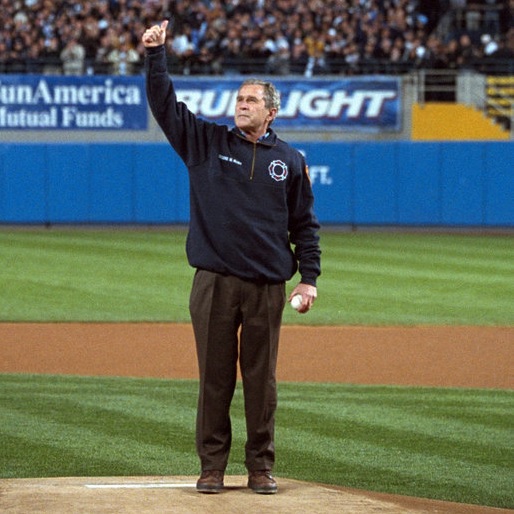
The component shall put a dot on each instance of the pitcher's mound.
(178, 495)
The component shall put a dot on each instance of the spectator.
(334, 49)
(278, 61)
(505, 48)
(351, 58)
(452, 54)
(123, 58)
(467, 53)
(232, 51)
(206, 63)
(240, 36)
(50, 57)
(184, 49)
(72, 57)
(299, 57)
(3, 56)
(315, 46)
(489, 45)
(15, 58)
(89, 40)
(33, 62)
(107, 44)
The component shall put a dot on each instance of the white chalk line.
(138, 486)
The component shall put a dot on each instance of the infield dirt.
(418, 356)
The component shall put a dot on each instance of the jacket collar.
(269, 139)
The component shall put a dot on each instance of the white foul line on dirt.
(137, 486)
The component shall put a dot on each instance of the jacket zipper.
(253, 161)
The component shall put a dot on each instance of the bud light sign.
(366, 103)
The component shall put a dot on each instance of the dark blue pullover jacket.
(251, 203)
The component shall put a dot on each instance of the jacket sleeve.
(187, 134)
(304, 226)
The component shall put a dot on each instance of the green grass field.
(368, 278)
(452, 444)
(429, 442)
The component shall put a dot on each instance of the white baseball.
(296, 301)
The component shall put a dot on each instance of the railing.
(493, 94)
(434, 85)
(479, 16)
(260, 66)
(246, 66)
(500, 100)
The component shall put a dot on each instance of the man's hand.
(156, 35)
(309, 294)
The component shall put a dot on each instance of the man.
(72, 57)
(251, 199)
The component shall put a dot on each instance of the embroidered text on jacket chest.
(229, 159)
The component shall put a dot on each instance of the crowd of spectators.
(216, 37)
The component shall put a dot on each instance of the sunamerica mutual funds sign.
(39, 102)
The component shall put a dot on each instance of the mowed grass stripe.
(410, 258)
(117, 431)
(422, 241)
(450, 444)
(102, 276)
(421, 257)
(49, 461)
(351, 436)
(368, 278)
(408, 446)
(410, 475)
(410, 279)
(419, 429)
(424, 421)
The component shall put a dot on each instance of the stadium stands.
(215, 37)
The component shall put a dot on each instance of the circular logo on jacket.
(278, 170)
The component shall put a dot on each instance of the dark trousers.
(233, 320)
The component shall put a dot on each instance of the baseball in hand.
(296, 301)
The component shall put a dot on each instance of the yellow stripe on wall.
(437, 121)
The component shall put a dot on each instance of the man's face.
(252, 116)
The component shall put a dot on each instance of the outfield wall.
(359, 183)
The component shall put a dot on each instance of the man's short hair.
(271, 95)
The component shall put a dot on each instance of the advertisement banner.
(40, 102)
(358, 104)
